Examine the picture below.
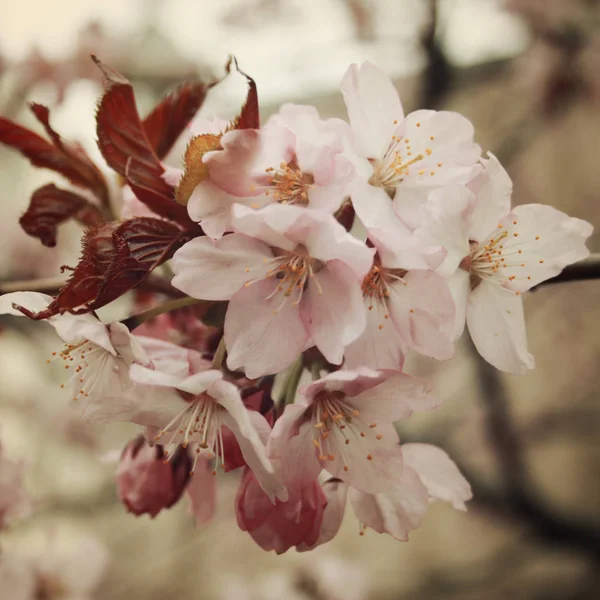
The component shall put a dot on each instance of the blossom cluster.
(322, 246)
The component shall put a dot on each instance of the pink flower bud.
(146, 482)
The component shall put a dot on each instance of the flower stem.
(288, 393)
(219, 356)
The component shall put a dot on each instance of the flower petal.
(373, 106)
(438, 473)
(497, 327)
(262, 335)
(333, 310)
(395, 512)
(216, 270)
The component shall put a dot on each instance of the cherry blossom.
(400, 158)
(428, 475)
(294, 159)
(96, 356)
(406, 308)
(495, 254)
(193, 410)
(292, 277)
(343, 423)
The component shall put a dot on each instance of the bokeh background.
(527, 74)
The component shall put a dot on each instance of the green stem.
(219, 356)
(315, 370)
(288, 393)
(135, 320)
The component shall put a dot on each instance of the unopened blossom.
(292, 277)
(343, 423)
(146, 483)
(95, 357)
(13, 499)
(400, 158)
(407, 308)
(428, 475)
(280, 526)
(495, 254)
(294, 159)
(192, 411)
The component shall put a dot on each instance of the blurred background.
(527, 74)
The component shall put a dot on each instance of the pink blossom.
(281, 525)
(294, 159)
(343, 423)
(495, 254)
(96, 356)
(293, 280)
(428, 475)
(193, 409)
(146, 483)
(406, 308)
(396, 156)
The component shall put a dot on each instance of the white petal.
(438, 472)
(261, 335)
(216, 270)
(396, 512)
(497, 326)
(373, 106)
(460, 287)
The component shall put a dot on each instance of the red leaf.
(249, 117)
(50, 206)
(170, 117)
(126, 148)
(66, 158)
(115, 258)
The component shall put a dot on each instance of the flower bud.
(146, 482)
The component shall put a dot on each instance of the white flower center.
(198, 422)
(335, 418)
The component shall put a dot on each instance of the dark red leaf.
(115, 258)
(249, 117)
(126, 148)
(170, 117)
(50, 206)
(68, 159)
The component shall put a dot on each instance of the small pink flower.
(292, 277)
(399, 157)
(146, 483)
(428, 475)
(343, 423)
(192, 410)
(96, 356)
(281, 525)
(495, 254)
(294, 159)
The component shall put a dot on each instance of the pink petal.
(460, 287)
(373, 107)
(333, 310)
(202, 492)
(497, 326)
(377, 348)
(395, 512)
(269, 224)
(262, 335)
(440, 475)
(217, 270)
(397, 397)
